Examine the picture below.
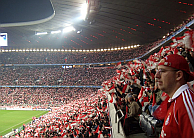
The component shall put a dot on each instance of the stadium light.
(55, 32)
(41, 33)
(68, 29)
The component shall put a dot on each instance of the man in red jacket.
(172, 76)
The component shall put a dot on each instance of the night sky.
(15, 11)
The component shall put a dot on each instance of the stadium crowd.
(70, 57)
(41, 97)
(82, 117)
(49, 76)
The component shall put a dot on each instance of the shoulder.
(134, 103)
(183, 105)
(186, 99)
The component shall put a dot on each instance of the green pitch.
(12, 119)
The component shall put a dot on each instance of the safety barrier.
(117, 129)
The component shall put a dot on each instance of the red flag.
(112, 89)
(111, 100)
(141, 93)
(175, 51)
(99, 134)
(124, 88)
(161, 51)
(188, 39)
(97, 129)
(118, 65)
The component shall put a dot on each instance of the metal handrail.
(119, 118)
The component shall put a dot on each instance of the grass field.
(12, 119)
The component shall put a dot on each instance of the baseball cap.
(178, 62)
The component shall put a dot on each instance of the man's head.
(173, 71)
(130, 98)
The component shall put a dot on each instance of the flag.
(99, 134)
(141, 93)
(188, 39)
(124, 88)
(97, 129)
(161, 52)
(118, 65)
(112, 89)
(111, 100)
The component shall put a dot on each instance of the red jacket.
(179, 120)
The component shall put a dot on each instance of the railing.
(119, 122)
(117, 129)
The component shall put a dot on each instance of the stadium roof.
(109, 23)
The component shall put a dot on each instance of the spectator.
(172, 77)
(133, 115)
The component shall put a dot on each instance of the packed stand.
(41, 97)
(70, 57)
(49, 76)
(82, 117)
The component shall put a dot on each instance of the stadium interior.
(80, 59)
